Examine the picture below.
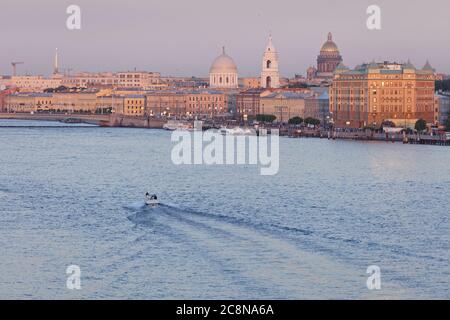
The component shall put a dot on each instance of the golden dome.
(329, 46)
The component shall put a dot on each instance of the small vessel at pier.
(173, 125)
(236, 131)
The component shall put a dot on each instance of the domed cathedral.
(223, 73)
(328, 59)
(270, 76)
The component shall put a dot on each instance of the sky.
(182, 37)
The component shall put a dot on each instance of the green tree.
(295, 120)
(312, 121)
(421, 125)
(266, 118)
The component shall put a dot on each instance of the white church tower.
(270, 77)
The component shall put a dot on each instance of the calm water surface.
(74, 196)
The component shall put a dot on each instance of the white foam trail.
(136, 205)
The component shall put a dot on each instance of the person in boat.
(151, 196)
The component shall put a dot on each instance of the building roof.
(329, 46)
(223, 64)
(286, 95)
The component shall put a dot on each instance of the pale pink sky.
(182, 37)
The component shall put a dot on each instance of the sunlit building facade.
(378, 92)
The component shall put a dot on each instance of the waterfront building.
(67, 102)
(270, 76)
(207, 103)
(317, 105)
(328, 59)
(3, 95)
(28, 102)
(377, 92)
(166, 103)
(442, 105)
(112, 102)
(134, 105)
(223, 73)
(283, 105)
(248, 103)
(73, 102)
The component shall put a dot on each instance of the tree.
(421, 125)
(295, 120)
(266, 118)
(447, 124)
(312, 121)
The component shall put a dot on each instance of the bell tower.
(270, 77)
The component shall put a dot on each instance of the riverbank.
(104, 120)
(114, 120)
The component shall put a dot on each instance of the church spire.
(55, 67)
(330, 36)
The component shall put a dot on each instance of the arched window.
(269, 64)
(220, 80)
(268, 82)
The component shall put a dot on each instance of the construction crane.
(14, 64)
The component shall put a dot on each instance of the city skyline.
(159, 36)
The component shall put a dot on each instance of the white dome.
(223, 64)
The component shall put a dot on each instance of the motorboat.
(151, 199)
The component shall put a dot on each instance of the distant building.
(328, 59)
(377, 92)
(317, 106)
(35, 83)
(166, 103)
(283, 105)
(250, 82)
(442, 104)
(248, 103)
(270, 76)
(207, 103)
(66, 102)
(28, 102)
(134, 105)
(73, 102)
(87, 79)
(223, 73)
(138, 79)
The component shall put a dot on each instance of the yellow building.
(166, 103)
(28, 102)
(378, 92)
(75, 102)
(207, 103)
(134, 105)
(283, 105)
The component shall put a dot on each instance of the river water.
(74, 196)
